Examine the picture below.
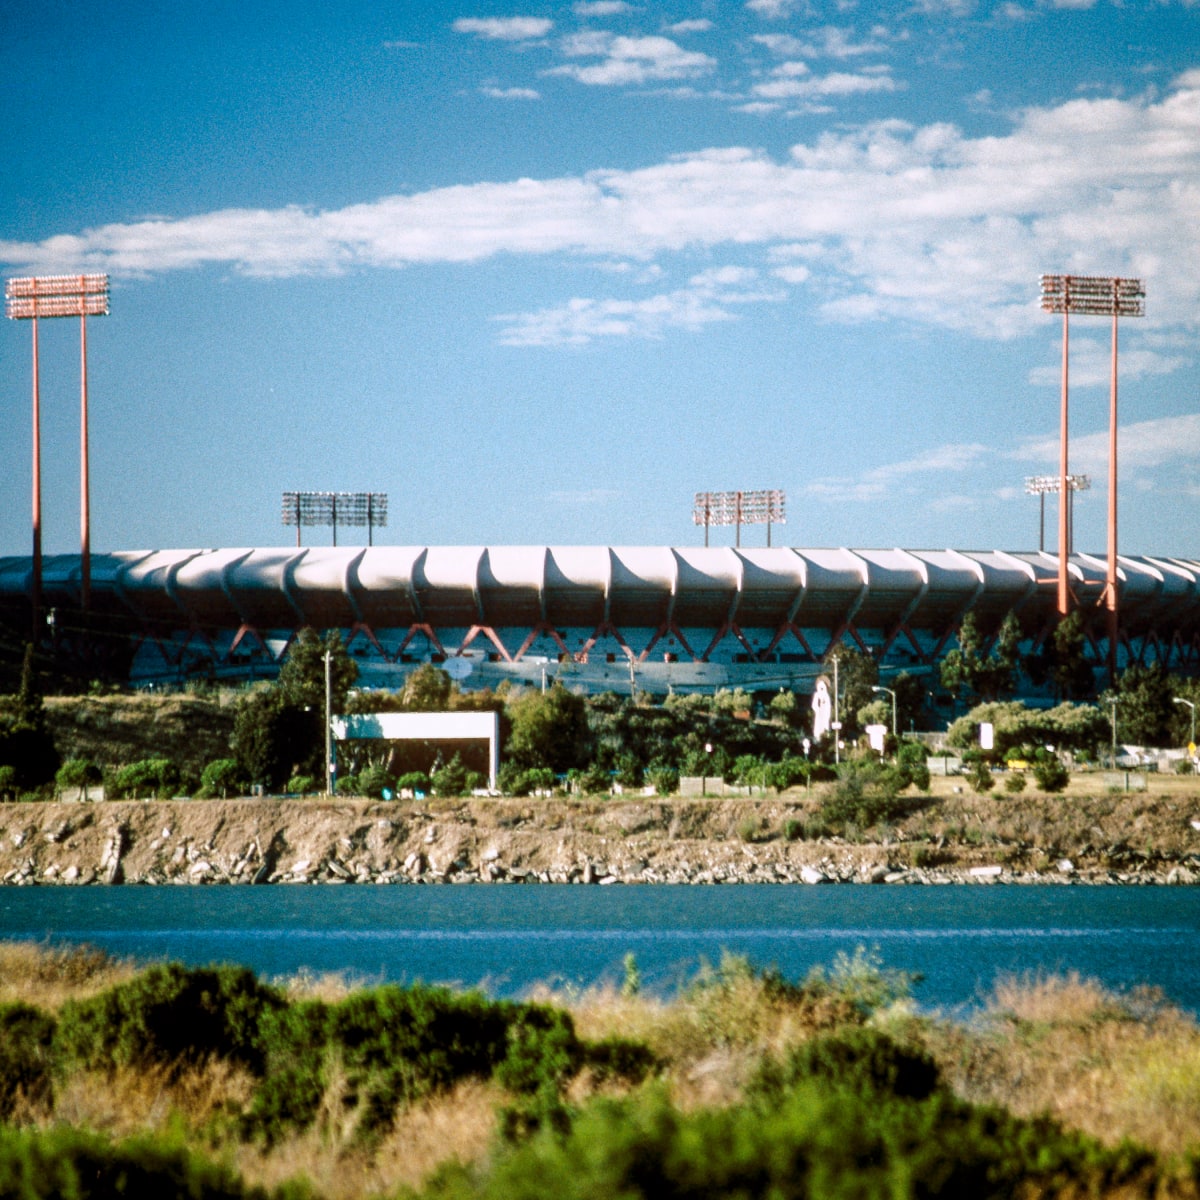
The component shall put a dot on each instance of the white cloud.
(504, 29)
(889, 480)
(832, 41)
(601, 8)
(791, 81)
(511, 93)
(709, 297)
(1091, 362)
(698, 25)
(773, 10)
(922, 223)
(630, 60)
(1144, 449)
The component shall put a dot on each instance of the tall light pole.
(836, 723)
(1096, 296)
(1113, 702)
(895, 735)
(328, 723)
(30, 298)
(1040, 486)
(738, 509)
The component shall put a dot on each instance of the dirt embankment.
(1116, 838)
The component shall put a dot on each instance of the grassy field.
(1063, 1088)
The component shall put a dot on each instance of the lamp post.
(895, 736)
(1112, 703)
(836, 723)
(328, 723)
(1192, 706)
(1097, 296)
(30, 298)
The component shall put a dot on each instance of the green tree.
(549, 729)
(220, 777)
(1145, 705)
(1062, 662)
(274, 740)
(428, 689)
(857, 674)
(26, 743)
(79, 773)
(785, 708)
(972, 669)
(302, 676)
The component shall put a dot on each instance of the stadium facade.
(653, 617)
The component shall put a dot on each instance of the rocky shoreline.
(674, 841)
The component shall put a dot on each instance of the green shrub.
(26, 1038)
(74, 1164)
(347, 785)
(817, 1141)
(79, 773)
(521, 781)
(151, 778)
(221, 777)
(303, 785)
(863, 1060)
(169, 1015)
(787, 773)
(414, 781)
(664, 779)
(865, 793)
(911, 761)
(395, 1045)
(594, 781)
(453, 779)
(1049, 772)
(1015, 782)
(981, 778)
(373, 780)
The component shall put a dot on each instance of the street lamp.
(1181, 700)
(1096, 296)
(29, 298)
(891, 693)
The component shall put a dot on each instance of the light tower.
(1095, 296)
(30, 298)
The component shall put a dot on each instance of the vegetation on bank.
(271, 737)
(209, 1082)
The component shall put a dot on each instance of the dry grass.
(1114, 1067)
(148, 1100)
(46, 976)
(109, 730)
(458, 1125)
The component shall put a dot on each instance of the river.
(506, 939)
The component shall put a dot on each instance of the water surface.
(510, 938)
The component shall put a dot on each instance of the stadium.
(655, 618)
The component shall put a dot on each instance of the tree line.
(554, 737)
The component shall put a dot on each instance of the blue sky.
(542, 271)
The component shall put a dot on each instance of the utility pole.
(328, 723)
